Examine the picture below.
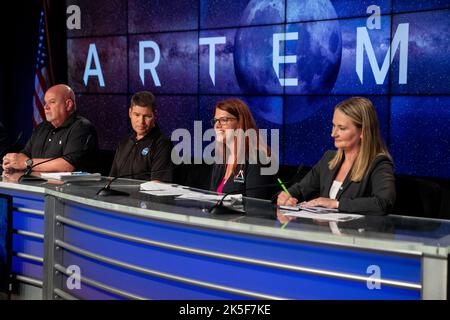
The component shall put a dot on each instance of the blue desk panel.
(216, 271)
(28, 232)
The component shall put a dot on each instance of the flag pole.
(47, 36)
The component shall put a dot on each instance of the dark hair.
(241, 111)
(143, 99)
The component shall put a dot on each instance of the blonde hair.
(362, 113)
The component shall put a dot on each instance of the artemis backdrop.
(291, 60)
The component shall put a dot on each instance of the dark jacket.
(374, 194)
(250, 182)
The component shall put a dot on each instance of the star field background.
(414, 117)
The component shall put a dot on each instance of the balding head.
(59, 104)
(64, 91)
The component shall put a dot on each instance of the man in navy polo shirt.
(65, 136)
(145, 153)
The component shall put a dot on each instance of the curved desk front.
(147, 247)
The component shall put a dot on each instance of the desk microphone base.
(111, 193)
(222, 210)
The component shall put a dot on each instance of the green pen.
(283, 186)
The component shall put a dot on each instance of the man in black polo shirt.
(144, 154)
(64, 134)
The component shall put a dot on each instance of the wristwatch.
(29, 163)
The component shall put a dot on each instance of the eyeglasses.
(222, 120)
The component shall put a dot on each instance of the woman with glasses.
(238, 167)
(358, 177)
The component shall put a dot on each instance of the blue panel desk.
(28, 235)
(148, 247)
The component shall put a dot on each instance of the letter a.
(74, 20)
(74, 280)
(97, 72)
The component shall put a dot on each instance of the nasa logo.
(145, 151)
(239, 178)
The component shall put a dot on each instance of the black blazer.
(249, 182)
(374, 194)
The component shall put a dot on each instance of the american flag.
(41, 79)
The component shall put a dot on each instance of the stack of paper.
(337, 217)
(310, 209)
(165, 189)
(210, 197)
(72, 176)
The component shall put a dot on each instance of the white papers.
(166, 189)
(162, 189)
(337, 217)
(310, 209)
(319, 210)
(154, 186)
(290, 208)
(161, 193)
(72, 176)
(210, 197)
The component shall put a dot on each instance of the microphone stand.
(27, 175)
(220, 209)
(106, 191)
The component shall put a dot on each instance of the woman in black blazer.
(358, 177)
(238, 168)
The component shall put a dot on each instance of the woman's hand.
(285, 199)
(320, 202)
(283, 218)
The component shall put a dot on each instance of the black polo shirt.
(75, 140)
(144, 159)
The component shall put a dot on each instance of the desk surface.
(393, 233)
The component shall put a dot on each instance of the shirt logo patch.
(145, 151)
(239, 178)
(60, 142)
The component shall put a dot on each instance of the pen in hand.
(290, 201)
(284, 187)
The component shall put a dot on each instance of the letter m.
(400, 40)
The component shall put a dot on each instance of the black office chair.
(292, 174)
(444, 212)
(104, 161)
(418, 197)
(193, 175)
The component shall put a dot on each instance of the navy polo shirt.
(144, 159)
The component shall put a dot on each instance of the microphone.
(220, 209)
(107, 191)
(27, 175)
